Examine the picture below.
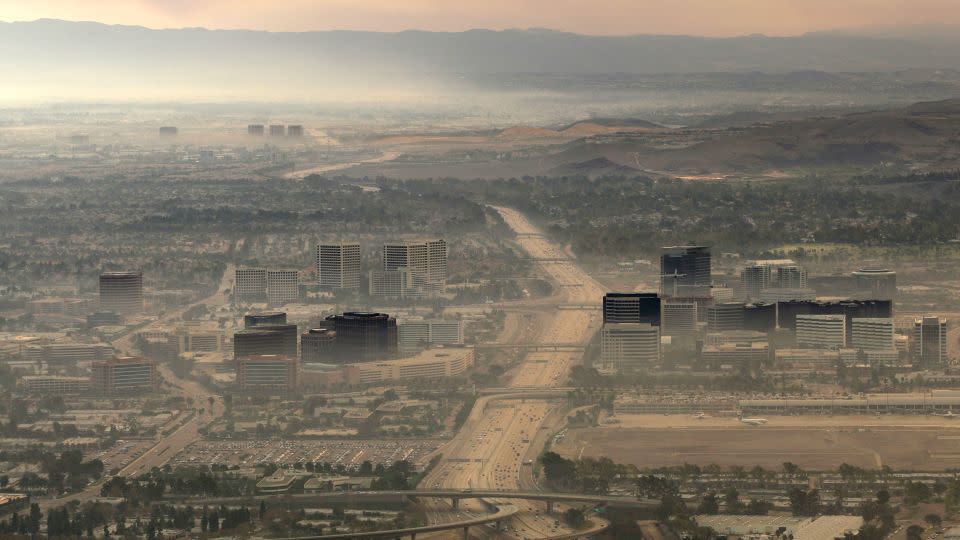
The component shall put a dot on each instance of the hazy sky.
(699, 17)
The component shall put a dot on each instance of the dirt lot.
(904, 442)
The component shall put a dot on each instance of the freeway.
(396, 496)
(496, 444)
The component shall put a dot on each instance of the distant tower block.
(121, 292)
(168, 131)
(278, 130)
(294, 130)
(255, 129)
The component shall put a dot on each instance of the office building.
(54, 384)
(875, 283)
(124, 375)
(168, 131)
(317, 345)
(641, 308)
(735, 336)
(872, 333)
(397, 283)
(255, 130)
(266, 373)
(725, 317)
(787, 312)
(294, 130)
(364, 336)
(430, 364)
(426, 261)
(821, 331)
(278, 130)
(338, 266)
(679, 321)
(930, 342)
(266, 318)
(735, 354)
(760, 317)
(784, 276)
(413, 335)
(685, 271)
(268, 339)
(282, 286)
(58, 355)
(121, 292)
(250, 285)
(626, 347)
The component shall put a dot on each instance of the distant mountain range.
(55, 55)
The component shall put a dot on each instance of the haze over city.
(480, 270)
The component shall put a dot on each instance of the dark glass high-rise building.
(364, 336)
(631, 308)
(684, 270)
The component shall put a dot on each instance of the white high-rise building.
(821, 331)
(338, 265)
(282, 286)
(250, 285)
(629, 346)
(426, 261)
(871, 333)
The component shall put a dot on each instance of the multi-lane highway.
(500, 439)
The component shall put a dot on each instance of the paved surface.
(501, 436)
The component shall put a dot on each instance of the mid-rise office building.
(317, 345)
(278, 130)
(787, 312)
(266, 373)
(626, 347)
(282, 286)
(821, 331)
(397, 283)
(250, 285)
(875, 283)
(426, 261)
(54, 384)
(872, 333)
(364, 336)
(685, 271)
(338, 266)
(640, 308)
(735, 354)
(784, 275)
(275, 339)
(725, 317)
(168, 131)
(414, 335)
(255, 130)
(679, 321)
(760, 317)
(121, 292)
(294, 130)
(124, 375)
(930, 342)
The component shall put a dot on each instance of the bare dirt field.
(813, 442)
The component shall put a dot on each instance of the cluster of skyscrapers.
(778, 320)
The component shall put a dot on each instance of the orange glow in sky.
(602, 17)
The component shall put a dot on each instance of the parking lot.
(289, 452)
